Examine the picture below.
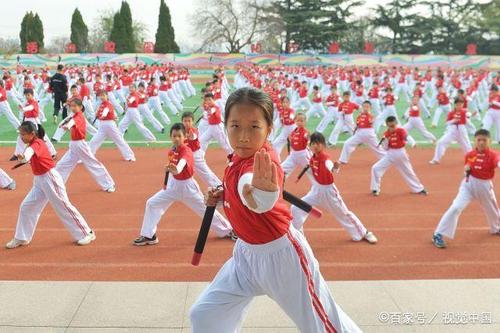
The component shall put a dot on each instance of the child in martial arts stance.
(456, 130)
(395, 139)
(200, 165)
(144, 109)
(299, 151)
(364, 133)
(443, 106)
(108, 129)
(270, 255)
(287, 116)
(79, 150)
(325, 194)
(48, 186)
(215, 128)
(316, 108)
(181, 187)
(6, 182)
(345, 118)
(5, 107)
(332, 104)
(480, 165)
(132, 115)
(415, 121)
(389, 109)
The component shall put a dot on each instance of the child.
(5, 107)
(154, 102)
(79, 150)
(86, 99)
(299, 151)
(200, 165)
(364, 133)
(443, 106)
(181, 187)
(270, 257)
(345, 119)
(132, 115)
(215, 129)
(108, 129)
(389, 109)
(6, 182)
(325, 194)
(456, 130)
(374, 96)
(146, 111)
(287, 116)
(395, 138)
(492, 116)
(303, 99)
(332, 104)
(316, 108)
(480, 165)
(48, 186)
(110, 89)
(76, 95)
(165, 86)
(415, 121)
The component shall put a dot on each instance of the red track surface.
(402, 221)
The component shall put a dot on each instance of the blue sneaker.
(438, 241)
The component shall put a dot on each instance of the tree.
(126, 16)
(9, 46)
(31, 31)
(118, 34)
(38, 31)
(79, 32)
(57, 44)
(165, 35)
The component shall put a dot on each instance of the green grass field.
(8, 133)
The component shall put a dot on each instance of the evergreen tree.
(38, 31)
(31, 31)
(79, 32)
(165, 35)
(118, 34)
(126, 18)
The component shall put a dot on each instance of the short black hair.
(187, 114)
(317, 137)
(316, 88)
(60, 67)
(28, 91)
(73, 86)
(390, 119)
(346, 93)
(482, 131)
(459, 100)
(208, 95)
(367, 102)
(178, 127)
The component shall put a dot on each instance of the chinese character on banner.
(70, 48)
(369, 48)
(148, 47)
(256, 48)
(334, 48)
(109, 47)
(471, 49)
(293, 47)
(32, 47)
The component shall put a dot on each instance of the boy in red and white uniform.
(181, 187)
(364, 133)
(154, 102)
(317, 108)
(395, 139)
(345, 118)
(6, 182)
(303, 99)
(165, 86)
(332, 104)
(79, 150)
(443, 106)
(145, 110)
(456, 130)
(48, 186)
(110, 89)
(299, 151)
(108, 129)
(287, 117)
(374, 96)
(325, 194)
(132, 115)
(492, 116)
(415, 121)
(389, 109)
(215, 129)
(480, 165)
(200, 165)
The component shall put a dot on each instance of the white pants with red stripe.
(285, 270)
(7, 111)
(475, 189)
(148, 114)
(203, 171)
(108, 129)
(186, 191)
(80, 151)
(328, 197)
(453, 133)
(49, 188)
(363, 135)
(133, 116)
(400, 159)
(280, 141)
(217, 133)
(5, 180)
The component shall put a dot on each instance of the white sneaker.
(87, 239)
(433, 162)
(110, 189)
(370, 237)
(16, 243)
(11, 186)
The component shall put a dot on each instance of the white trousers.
(5, 180)
(7, 111)
(389, 110)
(453, 133)
(303, 102)
(133, 116)
(475, 189)
(297, 158)
(165, 99)
(108, 129)
(185, 191)
(328, 197)
(316, 109)
(342, 122)
(330, 116)
(280, 141)
(418, 124)
(155, 106)
(400, 159)
(175, 99)
(148, 114)
(203, 170)
(375, 105)
(21, 146)
(217, 133)
(439, 111)
(286, 271)
(115, 102)
(49, 188)
(365, 136)
(80, 151)
(492, 118)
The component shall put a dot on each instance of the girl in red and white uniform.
(395, 139)
(374, 96)
(181, 187)
(332, 103)
(299, 151)
(200, 165)
(364, 133)
(287, 116)
(345, 118)
(303, 99)
(76, 95)
(415, 121)
(389, 109)
(480, 165)
(456, 130)
(443, 106)
(317, 108)
(79, 150)
(6, 182)
(108, 129)
(492, 116)
(146, 111)
(132, 115)
(269, 250)
(86, 99)
(215, 129)
(165, 86)
(48, 186)
(154, 102)
(110, 89)
(325, 194)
